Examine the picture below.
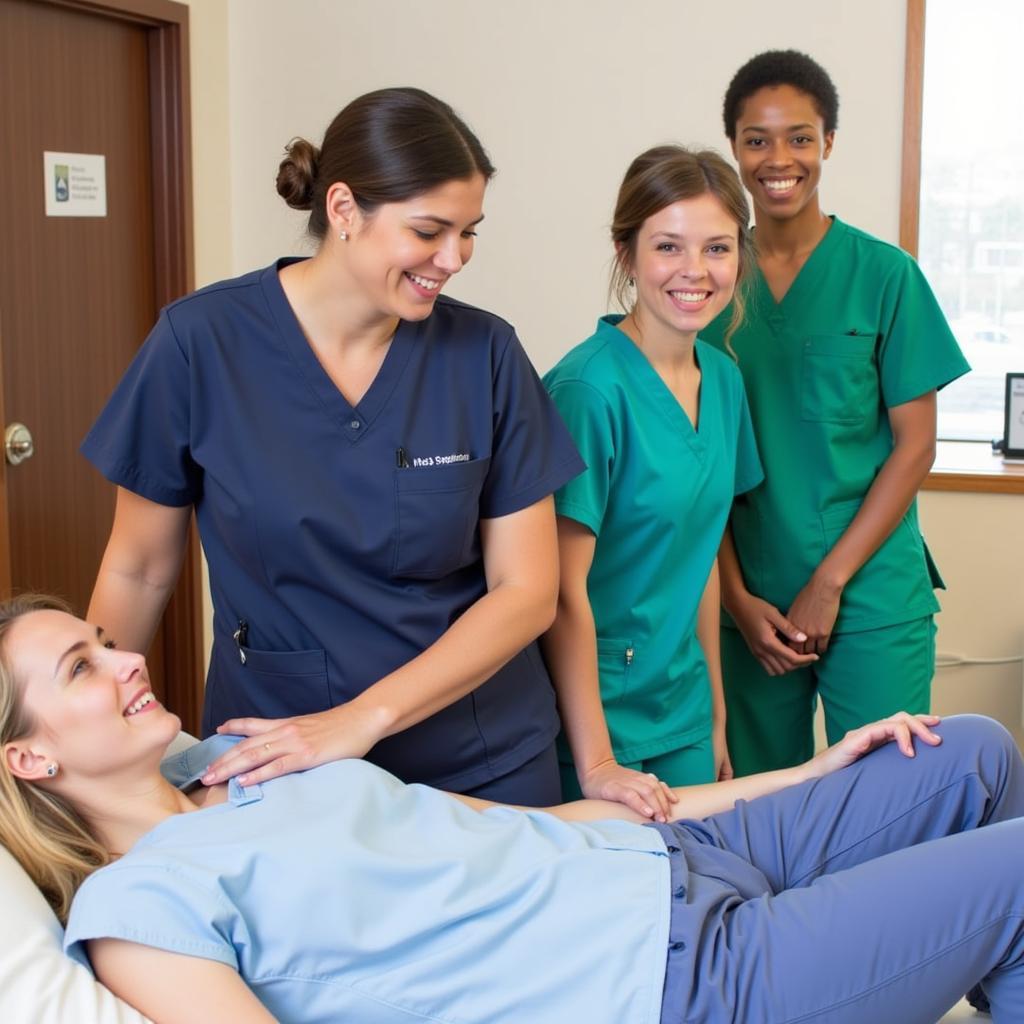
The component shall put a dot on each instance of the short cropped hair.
(781, 67)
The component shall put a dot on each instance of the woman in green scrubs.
(661, 420)
(826, 580)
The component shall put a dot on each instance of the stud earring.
(631, 282)
(51, 769)
(343, 235)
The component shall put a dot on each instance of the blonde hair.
(46, 835)
(664, 175)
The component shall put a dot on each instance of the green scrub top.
(859, 331)
(656, 494)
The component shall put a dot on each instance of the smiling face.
(90, 704)
(780, 145)
(403, 254)
(685, 262)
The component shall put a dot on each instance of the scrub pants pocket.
(271, 684)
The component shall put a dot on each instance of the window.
(970, 241)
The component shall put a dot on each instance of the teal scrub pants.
(688, 766)
(862, 677)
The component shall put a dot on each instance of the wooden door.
(79, 294)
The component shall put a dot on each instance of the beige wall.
(563, 93)
(211, 157)
(976, 539)
(211, 166)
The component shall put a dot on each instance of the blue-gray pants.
(873, 894)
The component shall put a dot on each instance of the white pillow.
(38, 983)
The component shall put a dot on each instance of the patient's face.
(91, 703)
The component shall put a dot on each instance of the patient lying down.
(341, 893)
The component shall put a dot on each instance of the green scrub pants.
(862, 677)
(688, 766)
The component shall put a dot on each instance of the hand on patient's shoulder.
(276, 747)
(901, 729)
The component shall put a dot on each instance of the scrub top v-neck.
(354, 421)
(656, 495)
(343, 539)
(858, 332)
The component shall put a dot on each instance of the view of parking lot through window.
(971, 244)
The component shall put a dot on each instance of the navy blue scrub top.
(345, 538)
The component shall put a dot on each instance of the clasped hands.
(782, 643)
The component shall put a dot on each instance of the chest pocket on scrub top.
(840, 380)
(437, 510)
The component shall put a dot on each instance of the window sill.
(973, 466)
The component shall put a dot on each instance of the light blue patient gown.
(341, 894)
(407, 905)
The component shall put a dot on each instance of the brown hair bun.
(386, 146)
(296, 176)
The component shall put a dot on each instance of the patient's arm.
(171, 987)
(702, 801)
(693, 801)
(697, 802)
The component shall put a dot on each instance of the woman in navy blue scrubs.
(371, 465)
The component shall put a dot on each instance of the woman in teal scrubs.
(662, 423)
(826, 580)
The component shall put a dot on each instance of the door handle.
(18, 444)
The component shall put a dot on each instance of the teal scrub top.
(859, 331)
(656, 494)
